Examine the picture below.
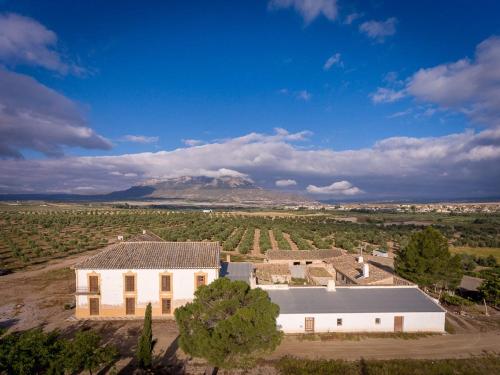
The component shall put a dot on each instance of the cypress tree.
(145, 347)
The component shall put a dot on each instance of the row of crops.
(30, 237)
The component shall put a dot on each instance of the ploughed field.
(30, 235)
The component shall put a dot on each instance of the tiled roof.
(349, 267)
(155, 255)
(303, 254)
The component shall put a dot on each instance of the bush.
(455, 300)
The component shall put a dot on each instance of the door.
(94, 306)
(166, 306)
(309, 324)
(398, 323)
(130, 306)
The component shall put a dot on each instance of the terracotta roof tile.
(303, 254)
(155, 255)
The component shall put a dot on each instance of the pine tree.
(145, 347)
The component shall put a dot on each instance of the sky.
(333, 99)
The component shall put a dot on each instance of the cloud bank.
(335, 189)
(32, 116)
(457, 165)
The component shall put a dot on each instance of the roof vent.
(144, 231)
(366, 270)
(330, 287)
(360, 259)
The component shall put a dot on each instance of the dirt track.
(431, 347)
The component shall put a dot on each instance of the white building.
(120, 281)
(356, 309)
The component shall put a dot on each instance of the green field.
(477, 251)
(33, 234)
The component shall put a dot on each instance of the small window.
(296, 263)
(339, 322)
(130, 283)
(166, 306)
(377, 320)
(93, 284)
(200, 280)
(165, 283)
(309, 262)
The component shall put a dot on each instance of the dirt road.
(431, 347)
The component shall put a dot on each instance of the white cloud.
(332, 60)
(459, 164)
(470, 87)
(350, 18)
(25, 41)
(140, 139)
(304, 95)
(400, 113)
(379, 30)
(285, 183)
(32, 116)
(387, 95)
(308, 9)
(336, 188)
(192, 142)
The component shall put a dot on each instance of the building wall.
(112, 292)
(413, 322)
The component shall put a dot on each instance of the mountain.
(225, 190)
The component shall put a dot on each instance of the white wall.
(148, 284)
(413, 322)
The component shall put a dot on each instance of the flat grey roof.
(352, 300)
(236, 271)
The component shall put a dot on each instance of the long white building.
(357, 309)
(120, 281)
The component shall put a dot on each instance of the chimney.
(360, 259)
(330, 287)
(144, 231)
(120, 238)
(228, 258)
(366, 270)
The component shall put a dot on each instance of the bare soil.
(256, 243)
(274, 244)
(293, 246)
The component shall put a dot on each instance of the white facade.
(365, 322)
(112, 292)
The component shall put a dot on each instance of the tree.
(85, 352)
(427, 261)
(145, 347)
(228, 324)
(32, 352)
(490, 289)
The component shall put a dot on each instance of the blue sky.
(173, 75)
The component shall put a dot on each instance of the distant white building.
(356, 309)
(120, 281)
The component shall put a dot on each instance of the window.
(339, 322)
(200, 280)
(296, 263)
(130, 283)
(166, 306)
(308, 262)
(309, 324)
(94, 306)
(165, 283)
(130, 306)
(377, 320)
(93, 284)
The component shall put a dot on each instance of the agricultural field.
(33, 234)
(477, 251)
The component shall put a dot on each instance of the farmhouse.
(120, 281)
(356, 309)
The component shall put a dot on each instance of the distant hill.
(225, 190)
